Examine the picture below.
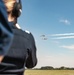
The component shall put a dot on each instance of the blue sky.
(52, 20)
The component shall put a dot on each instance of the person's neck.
(10, 18)
(1, 58)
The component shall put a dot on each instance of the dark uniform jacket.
(21, 54)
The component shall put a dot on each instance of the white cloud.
(65, 21)
(71, 47)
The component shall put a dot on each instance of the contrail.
(65, 34)
(64, 37)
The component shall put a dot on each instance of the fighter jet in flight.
(44, 37)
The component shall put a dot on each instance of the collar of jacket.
(14, 26)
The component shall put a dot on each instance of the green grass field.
(49, 72)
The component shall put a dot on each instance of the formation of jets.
(44, 37)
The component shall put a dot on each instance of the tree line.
(52, 68)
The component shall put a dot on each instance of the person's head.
(13, 9)
(9, 5)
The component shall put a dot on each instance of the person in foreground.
(22, 52)
(6, 34)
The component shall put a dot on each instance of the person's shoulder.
(25, 33)
(29, 34)
(20, 29)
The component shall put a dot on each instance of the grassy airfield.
(49, 72)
